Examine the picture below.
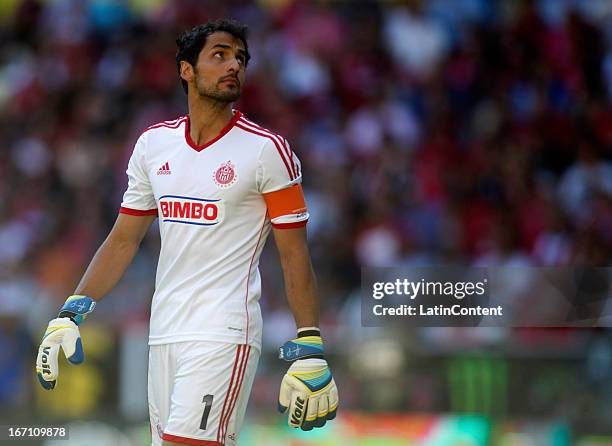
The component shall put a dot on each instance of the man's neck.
(207, 119)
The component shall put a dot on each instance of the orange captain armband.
(287, 208)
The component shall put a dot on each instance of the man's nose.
(234, 65)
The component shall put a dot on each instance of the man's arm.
(308, 389)
(114, 255)
(104, 271)
(300, 282)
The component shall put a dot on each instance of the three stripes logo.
(164, 170)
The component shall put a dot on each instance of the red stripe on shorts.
(192, 441)
(237, 359)
(237, 392)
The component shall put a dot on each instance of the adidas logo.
(164, 170)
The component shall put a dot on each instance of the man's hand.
(308, 388)
(63, 332)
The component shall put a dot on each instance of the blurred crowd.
(430, 132)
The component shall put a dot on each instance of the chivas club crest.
(225, 176)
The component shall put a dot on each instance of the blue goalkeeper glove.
(308, 389)
(63, 332)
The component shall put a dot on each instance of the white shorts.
(198, 391)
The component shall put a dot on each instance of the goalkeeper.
(219, 184)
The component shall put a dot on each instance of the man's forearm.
(107, 267)
(301, 288)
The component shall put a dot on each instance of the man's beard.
(213, 92)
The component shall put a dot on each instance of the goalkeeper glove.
(308, 389)
(63, 332)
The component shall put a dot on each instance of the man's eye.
(218, 54)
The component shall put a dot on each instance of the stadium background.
(430, 132)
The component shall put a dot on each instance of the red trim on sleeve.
(224, 131)
(297, 224)
(191, 441)
(272, 138)
(290, 155)
(283, 141)
(174, 124)
(137, 212)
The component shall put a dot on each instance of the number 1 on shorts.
(208, 399)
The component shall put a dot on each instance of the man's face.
(219, 72)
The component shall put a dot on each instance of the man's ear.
(186, 71)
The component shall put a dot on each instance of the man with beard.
(219, 183)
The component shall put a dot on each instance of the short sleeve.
(138, 199)
(280, 185)
(279, 167)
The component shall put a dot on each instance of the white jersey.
(214, 220)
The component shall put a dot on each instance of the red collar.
(222, 133)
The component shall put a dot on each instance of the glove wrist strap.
(77, 307)
(308, 331)
(306, 345)
(69, 315)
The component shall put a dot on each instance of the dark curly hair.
(191, 42)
